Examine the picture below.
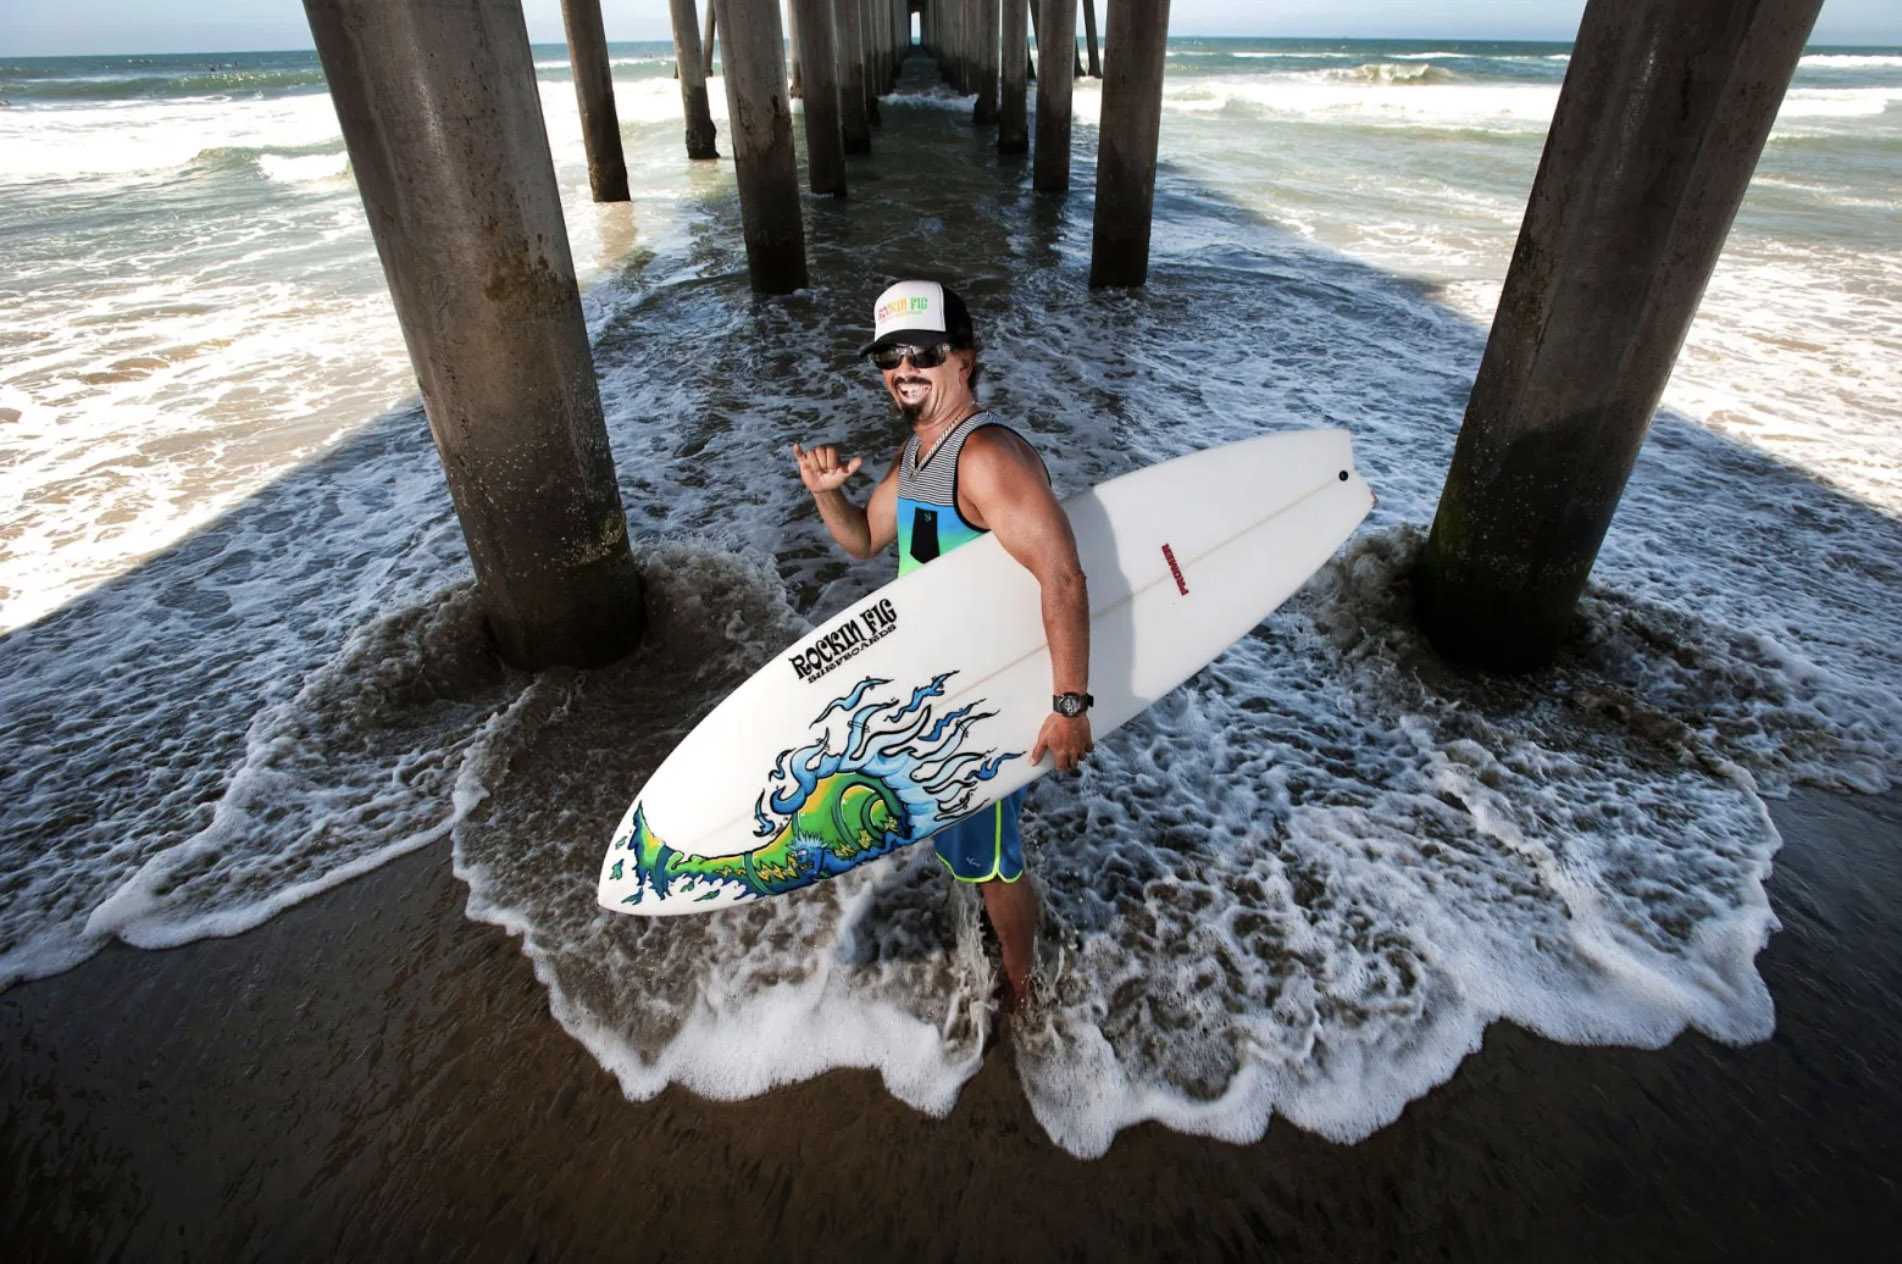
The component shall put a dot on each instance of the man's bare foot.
(1010, 996)
(1006, 1000)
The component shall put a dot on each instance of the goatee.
(912, 412)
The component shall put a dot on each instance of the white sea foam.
(938, 97)
(158, 390)
(1381, 96)
(562, 66)
(1391, 72)
(183, 759)
(124, 440)
(1850, 61)
(305, 168)
(354, 770)
(1425, 96)
(119, 138)
(646, 100)
(1829, 342)
(1837, 103)
(1327, 948)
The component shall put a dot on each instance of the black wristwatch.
(1071, 705)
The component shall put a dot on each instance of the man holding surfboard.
(962, 474)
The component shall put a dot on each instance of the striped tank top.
(929, 524)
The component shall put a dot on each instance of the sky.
(48, 28)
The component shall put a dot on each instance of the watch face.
(1069, 705)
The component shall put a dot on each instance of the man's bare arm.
(1004, 483)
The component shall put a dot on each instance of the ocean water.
(241, 661)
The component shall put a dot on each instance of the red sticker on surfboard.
(1169, 556)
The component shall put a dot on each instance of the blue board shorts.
(985, 845)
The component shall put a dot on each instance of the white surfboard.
(919, 705)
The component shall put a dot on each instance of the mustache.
(911, 381)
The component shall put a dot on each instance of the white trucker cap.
(919, 312)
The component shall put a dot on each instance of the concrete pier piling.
(1036, 33)
(985, 30)
(691, 63)
(961, 45)
(825, 144)
(706, 42)
(759, 126)
(944, 38)
(1663, 114)
(594, 94)
(1126, 142)
(898, 36)
(1089, 38)
(869, 60)
(442, 120)
(956, 62)
(969, 71)
(1056, 83)
(855, 124)
(1013, 123)
(795, 75)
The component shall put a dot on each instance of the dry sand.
(373, 1076)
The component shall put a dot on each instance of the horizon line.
(1331, 39)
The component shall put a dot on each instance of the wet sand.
(373, 1076)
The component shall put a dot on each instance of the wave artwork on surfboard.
(895, 775)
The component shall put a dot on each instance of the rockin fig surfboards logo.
(846, 642)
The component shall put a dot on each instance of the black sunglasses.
(888, 358)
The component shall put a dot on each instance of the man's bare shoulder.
(999, 473)
(997, 453)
